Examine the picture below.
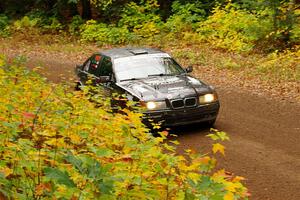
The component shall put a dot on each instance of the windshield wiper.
(130, 79)
(160, 75)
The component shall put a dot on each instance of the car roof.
(126, 52)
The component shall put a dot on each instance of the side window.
(105, 68)
(93, 64)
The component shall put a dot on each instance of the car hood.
(165, 87)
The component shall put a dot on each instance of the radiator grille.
(177, 103)
(181, 103)
(190, 102)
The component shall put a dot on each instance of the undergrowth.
(274, 67)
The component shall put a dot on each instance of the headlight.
(156, 105)
(208, 98)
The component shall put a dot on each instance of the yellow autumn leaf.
(182, 166)
(47, 133)
(194, 165)
(194, 176)
(238, 179)
(1, 70)
(11, 144)
(159, 140)
(231, 187)
(218, 148)
(2, 61)
(229, 196)
(155, 182)
(188, 150)
(219, 176)
(58, 142)
(76, 139)
(6, 171)
(221, 172)
(156, 127)
(61, 188)
(175, 142)
(181, 158)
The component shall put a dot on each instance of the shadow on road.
(185, 131)
(191, 137)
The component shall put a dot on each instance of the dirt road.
(264, 146)
(265, 137)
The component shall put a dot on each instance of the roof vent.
(138, 51)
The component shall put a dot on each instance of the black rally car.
(155, 79)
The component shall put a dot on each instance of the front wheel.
(210, 123)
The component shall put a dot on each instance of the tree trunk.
(86, 9)
(50, 5)
(73, 9)
(165, 8)
(1, 7)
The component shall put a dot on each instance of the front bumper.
(176, 117)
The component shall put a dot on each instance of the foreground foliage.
(56, 144)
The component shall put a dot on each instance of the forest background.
(267, 30)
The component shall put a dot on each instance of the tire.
(210, 123)
(77, 86)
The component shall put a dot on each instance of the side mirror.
(189, 69)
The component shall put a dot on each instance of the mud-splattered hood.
(165, 87)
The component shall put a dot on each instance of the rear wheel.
(77, 86)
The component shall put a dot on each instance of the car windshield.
(142, 66)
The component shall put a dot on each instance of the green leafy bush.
(295, 34)
(184, 18)
(4, 26)
(26, 23)
(234, 29)
(142, 19)
(137, 21)
(104, 34)
(59, 145)
(38, 14)
(75, 24)
(285, 33)
(53, 25)
(39, 21)
(45, 21)
(295, 30)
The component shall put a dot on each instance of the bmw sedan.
(152, 77)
